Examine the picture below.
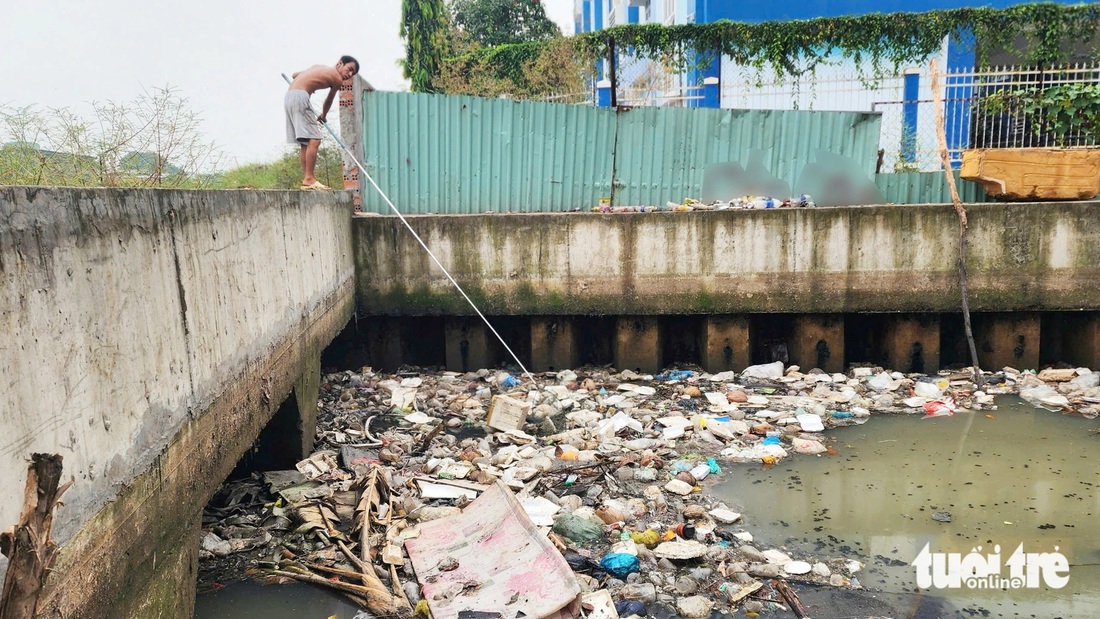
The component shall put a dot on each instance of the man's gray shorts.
(301, 123)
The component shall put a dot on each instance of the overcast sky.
(224, 56)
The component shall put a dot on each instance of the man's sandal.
(315, 186)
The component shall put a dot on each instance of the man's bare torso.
(315, 78)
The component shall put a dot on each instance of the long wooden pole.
(964, 282)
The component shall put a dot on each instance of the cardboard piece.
(493, 559)
(448, 488)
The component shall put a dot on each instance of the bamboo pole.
(311, 578)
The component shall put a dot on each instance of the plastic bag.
(768, 371)
(939, 408)
(675, 375)
(579, 530)
(620, 565)
(927, 390)
(630, 607)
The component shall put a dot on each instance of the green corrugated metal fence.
(926, 188)
(458, 154)
(661, 153)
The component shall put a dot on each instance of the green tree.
(499, 22)
(552, 71)
(424, 25)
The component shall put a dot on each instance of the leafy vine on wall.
(793, 47)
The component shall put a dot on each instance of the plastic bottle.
(646, 592)
(685, 530)
(772, 438)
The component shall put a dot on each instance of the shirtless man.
(301, 127)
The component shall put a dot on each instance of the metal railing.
(988, 108)
(640, 82)
(1003, 107)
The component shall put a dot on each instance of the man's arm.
(328, 102)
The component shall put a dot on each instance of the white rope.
(422, 244)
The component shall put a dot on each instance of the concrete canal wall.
(147, 336)
(815, 270)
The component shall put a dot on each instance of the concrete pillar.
(306, 392)
(909, 108)
(383, 342)
(637, 344)
(288, 436)
(726, 343)
(911, 343)
(1083, 340)
(553, 344)
(466, 341)
(603, 93)
(1007, 339)
(171, 588)
(818, 342)
(712, 92)
(351, 131)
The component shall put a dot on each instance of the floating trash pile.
(585, 494)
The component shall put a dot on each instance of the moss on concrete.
(850, 259)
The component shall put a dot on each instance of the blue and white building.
(903, 97)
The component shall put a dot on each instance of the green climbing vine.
(794, 47)
(1066, 114)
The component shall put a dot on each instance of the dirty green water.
(1026, 476)
(250, 600)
